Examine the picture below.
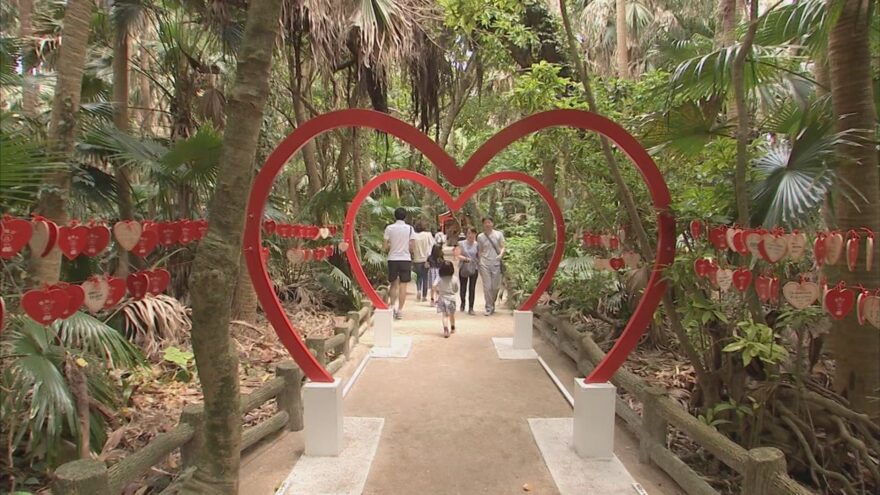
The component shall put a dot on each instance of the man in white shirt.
(399, 242)
(490, 248)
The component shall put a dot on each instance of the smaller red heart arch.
(454, 204)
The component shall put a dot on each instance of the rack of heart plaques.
(299, 254)
(611, 245)
(92, 238)
(775, 246)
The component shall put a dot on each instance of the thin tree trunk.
(217, 263)
(548, 177)
(145, 89)
(744, 117)
(310, 154)
(856, 348)
(30, 99)
(356, 159)
(621, 29)
(62, 127)
(121, 48)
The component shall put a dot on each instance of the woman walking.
(468, 268)
(424, 242)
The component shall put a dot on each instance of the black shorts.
(400, 270)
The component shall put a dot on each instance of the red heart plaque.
(147, 242)
(14, 235)
(742, 278)
(138, 285)
(839, 302)
(97, 240)
(159, 278)
(44, 236)
(46, 305)
(169, 233)
(116, 291)
(75, 298)
(458, 177)
(72, 240)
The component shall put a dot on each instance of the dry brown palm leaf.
(154, 320)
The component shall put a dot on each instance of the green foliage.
(39, 404)
(182, 359)
(756, 341)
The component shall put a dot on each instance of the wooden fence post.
(346, 345)
(289, 399)
(653, 425)
(762, 465)
(193, 415)
(316, 344)
(354, 318)
(82, 477)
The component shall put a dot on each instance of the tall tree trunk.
(62, 127)
(744, 117)
(727, 14)
(30, 99)
(145, 89)
(855, 347)
(621, 29)
(310, 153)
(121, 49)
(356, 160)
(217, 263)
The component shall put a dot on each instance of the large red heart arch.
(459, 177)
(454, 204)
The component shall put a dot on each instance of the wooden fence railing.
(94, 477)
(763, 469)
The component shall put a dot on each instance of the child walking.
(435, 261)
(447, 287)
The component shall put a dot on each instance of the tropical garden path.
(456, 416)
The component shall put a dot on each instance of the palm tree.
(216, 266)
(63, 126)
(622, 42)
(856, 348)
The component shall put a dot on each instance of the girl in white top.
(447, 287)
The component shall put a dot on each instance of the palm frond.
(85, 332)
(25, 166)
(796, 173)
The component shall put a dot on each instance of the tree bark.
(121, 49)
(621, 29)
(30, 99)
(62, 128)
(216, 266)
(244, 302)
(727, 18)
(856, 348)
(744, 118)
(309, 151)
(548, 177)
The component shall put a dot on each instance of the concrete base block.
(342, 475)
(522, 330)
(399, 348)
(322, 418)
(573, 474)
(594, 419)
(505, 350)
(383, 327)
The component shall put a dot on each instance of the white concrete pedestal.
(322, 418)
(383, 327)
(593, 427)
(522, 330)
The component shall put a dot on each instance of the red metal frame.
(454, 204)
(459, 177)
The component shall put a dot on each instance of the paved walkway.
(455, 415)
